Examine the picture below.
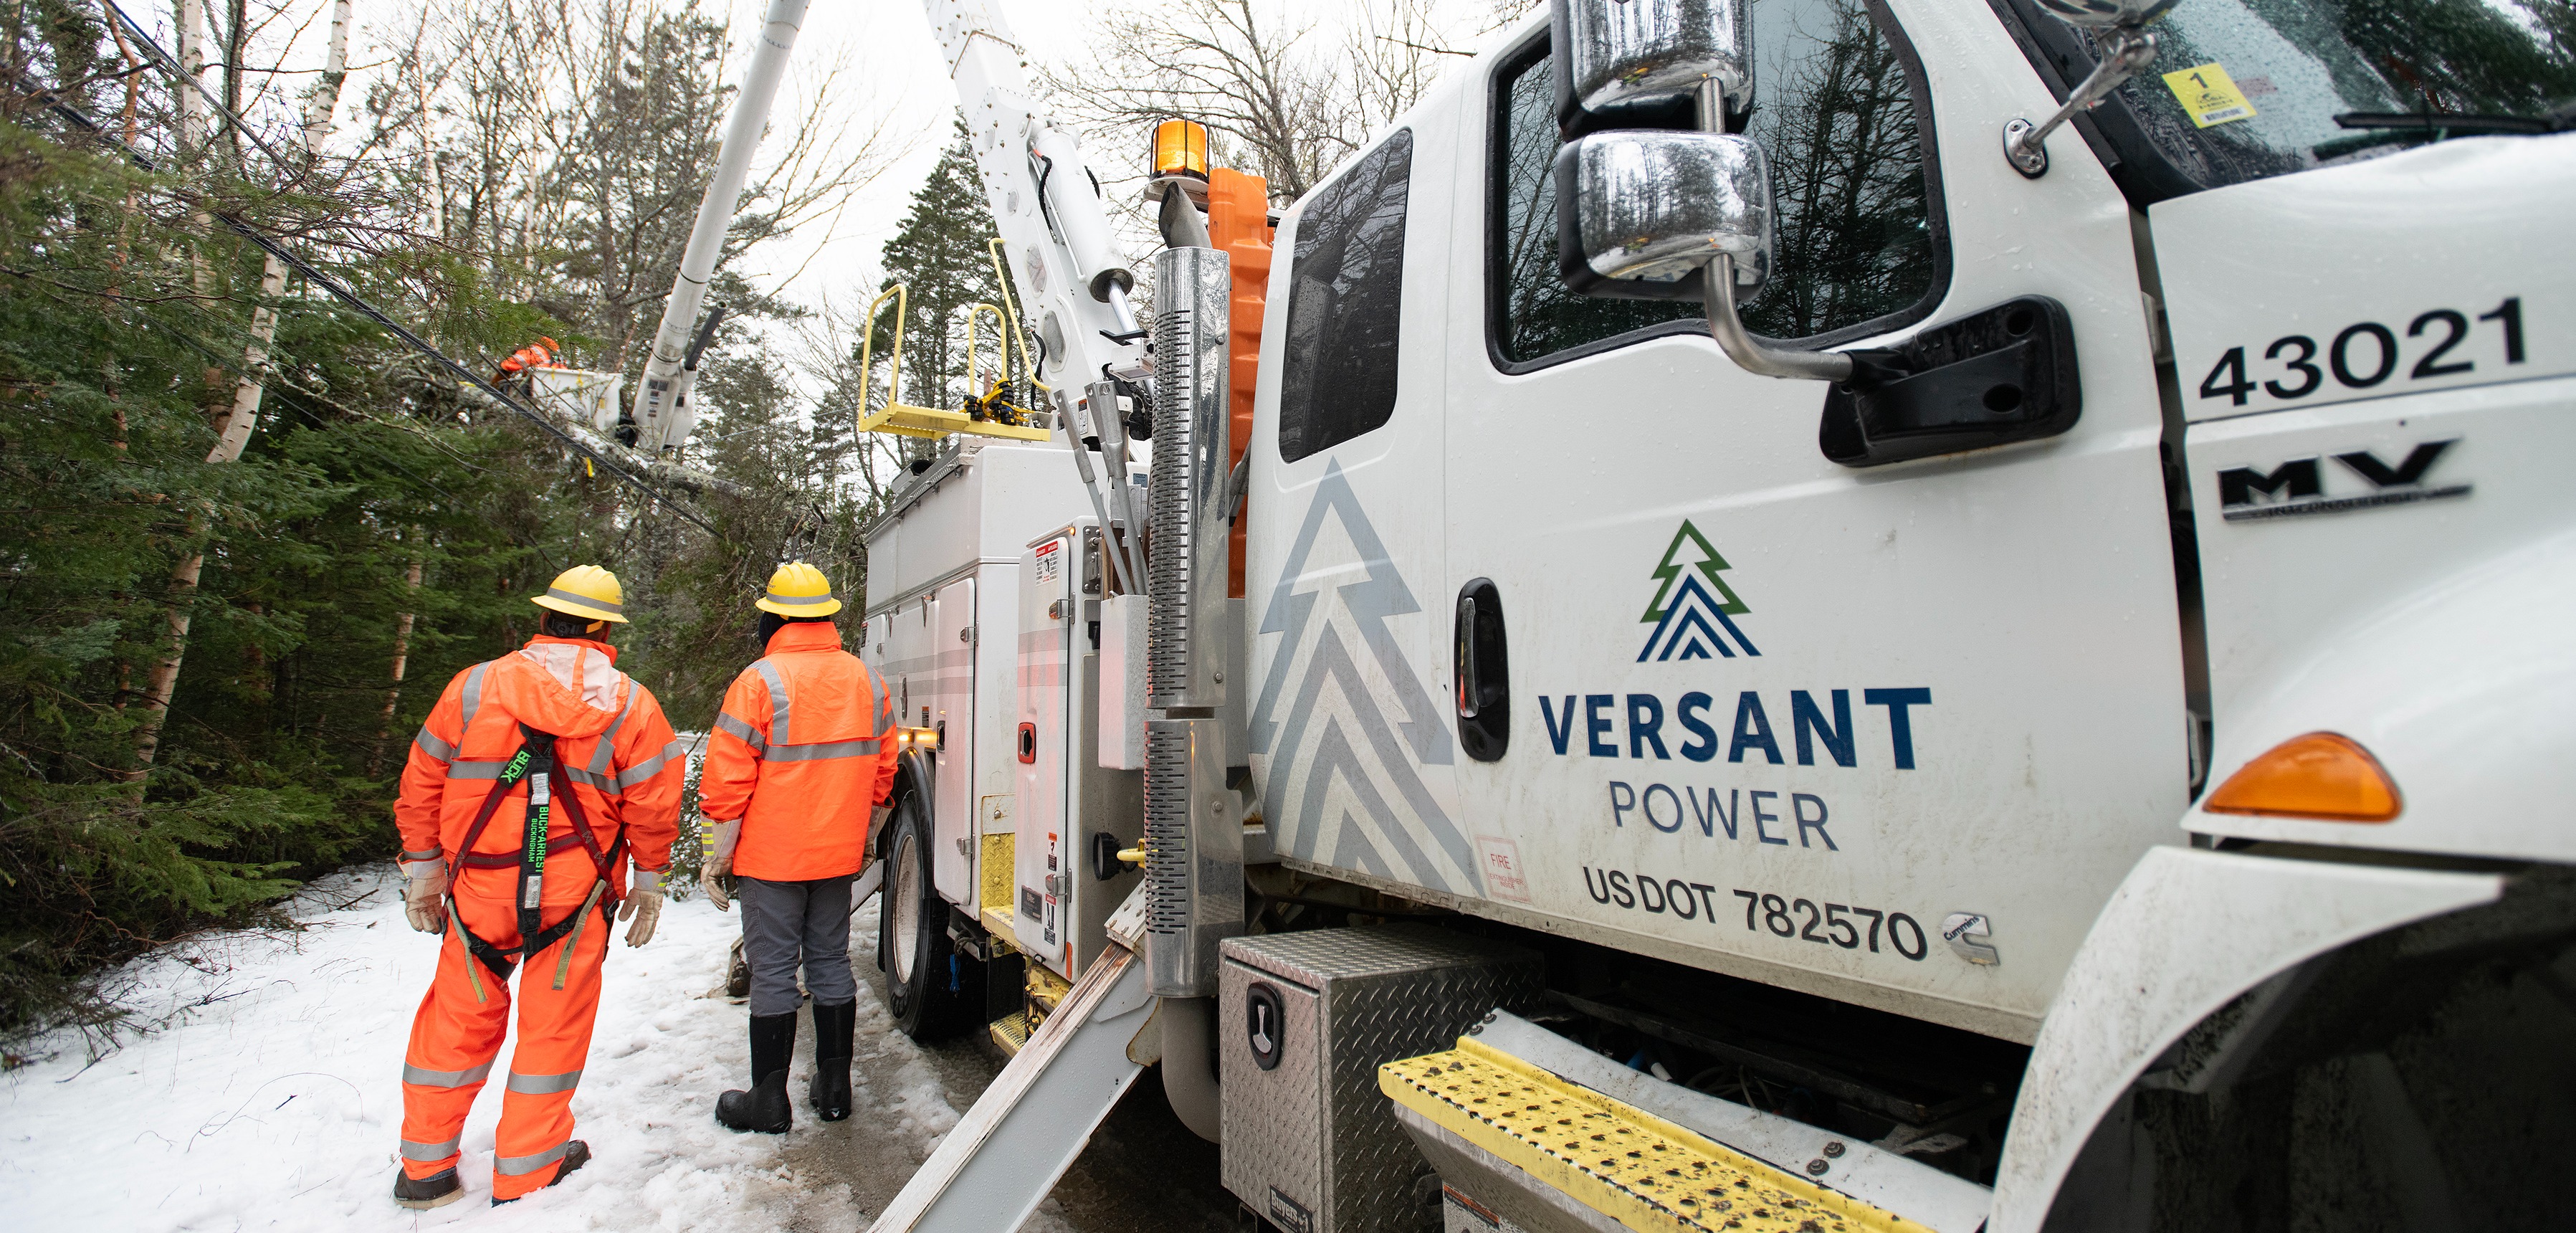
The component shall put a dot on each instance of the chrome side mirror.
(1657, 206)
(1661, 206)
(2127, 49)
(1624, 52)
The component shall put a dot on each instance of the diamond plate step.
(1621, 1167)
(1010, 1032)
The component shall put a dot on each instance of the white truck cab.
(2028, 646)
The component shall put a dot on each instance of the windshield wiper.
(2557, 121)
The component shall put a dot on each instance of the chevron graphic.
(1690, 627)
(1343, 784)
(1693, 611)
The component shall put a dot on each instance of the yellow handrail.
(867, 345)
(993, 417)
(974, 388)
(1011, 317)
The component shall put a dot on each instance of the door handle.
(1483, 667)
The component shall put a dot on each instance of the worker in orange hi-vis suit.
(796, 772)
(539, 354)
(538, 777)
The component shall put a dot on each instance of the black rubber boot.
(835, 1028)
(765, 1108)
(437, 1190)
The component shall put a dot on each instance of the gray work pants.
(787, 923)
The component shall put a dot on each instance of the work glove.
(719, 862)
(877, 818)
(425, 892)
(643, 906)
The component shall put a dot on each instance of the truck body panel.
(1743, 796)
(1930, 737)
(943, 611)
(2383, 531)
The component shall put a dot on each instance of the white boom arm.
(663, 416)
(1044, 202)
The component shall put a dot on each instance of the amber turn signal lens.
(1180, 149)
(2321, 775)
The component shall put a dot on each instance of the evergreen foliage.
(123, 322)
(941, 257)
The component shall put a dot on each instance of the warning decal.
(2208, 95)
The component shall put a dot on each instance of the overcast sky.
(895, 67)
(898, 65)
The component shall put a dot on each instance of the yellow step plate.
(1619, 1160)
(1011, 1032)
(904, 420)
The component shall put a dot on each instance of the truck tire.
(912, 931)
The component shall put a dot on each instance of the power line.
(162, 60)
(56, 104)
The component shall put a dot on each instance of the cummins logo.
(2298, 487)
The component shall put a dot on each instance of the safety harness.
(534, 934)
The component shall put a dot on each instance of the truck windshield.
(2244, 89)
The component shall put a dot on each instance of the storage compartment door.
(1047, 615)
(1269, 1048)
(950, 708)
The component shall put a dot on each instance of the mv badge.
(1693, 610)
(2361, 480)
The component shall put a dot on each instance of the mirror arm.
(1755, 357)
(2125, 51)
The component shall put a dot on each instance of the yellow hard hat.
(799, 590)
(585, 591)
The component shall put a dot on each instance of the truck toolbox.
(1303, 1021)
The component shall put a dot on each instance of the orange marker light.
(1180, 149)
(2321, 775)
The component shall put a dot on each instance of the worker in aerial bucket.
(797, 768)
(543, 353)
(539, 778)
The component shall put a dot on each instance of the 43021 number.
(2364, 355)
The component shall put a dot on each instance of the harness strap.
(503, 961)
(532, 840)
(530, 860)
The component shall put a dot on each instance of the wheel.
(923, 973)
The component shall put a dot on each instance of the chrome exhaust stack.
(1193, 823)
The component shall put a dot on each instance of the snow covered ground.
(264, 1092)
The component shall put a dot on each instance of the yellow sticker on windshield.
(2208, 95)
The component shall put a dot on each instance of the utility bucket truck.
(1780, 614)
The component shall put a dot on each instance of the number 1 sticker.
(2208, 95)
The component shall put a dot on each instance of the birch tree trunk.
(402, 656)
(249, 388)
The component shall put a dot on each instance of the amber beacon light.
(2322, 775)
(1180, 149)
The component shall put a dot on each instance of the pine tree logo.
(1693, 610)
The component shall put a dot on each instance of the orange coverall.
(624, 767)
(802, 750)
(534, 355)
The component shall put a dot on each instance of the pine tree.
(940, 254)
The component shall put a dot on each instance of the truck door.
(1783, 717)
(949, 707)
(1350, 743)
